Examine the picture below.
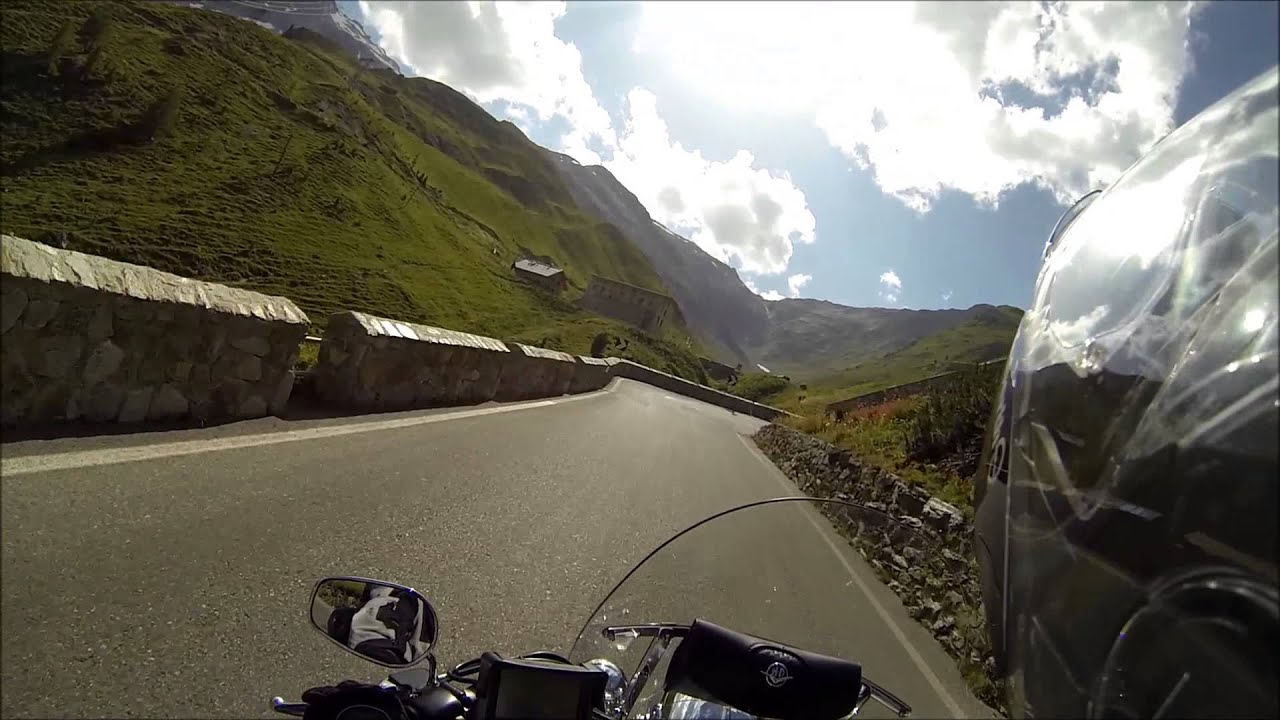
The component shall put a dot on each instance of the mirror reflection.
(387, 623)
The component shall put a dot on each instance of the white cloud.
(497, 51)
(890, 286)
(914, 91)
(733, 209)
(1071, 333)
(766, 295)
(796, 282)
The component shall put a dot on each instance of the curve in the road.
(173, 581)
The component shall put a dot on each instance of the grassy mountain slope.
(715, 302)
(813, 339)
(985, 335)
(292, 171)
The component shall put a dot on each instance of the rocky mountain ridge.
(319, 16)
(792, 335)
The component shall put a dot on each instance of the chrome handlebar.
(662, 634)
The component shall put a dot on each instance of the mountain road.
(167, 574)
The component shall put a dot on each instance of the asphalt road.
(168, 574)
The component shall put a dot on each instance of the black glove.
(351, 700)
(401, 616)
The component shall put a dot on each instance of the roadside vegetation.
(759, 387)
(933, 439)
(985, 338)
(207, 146)
(308, 356)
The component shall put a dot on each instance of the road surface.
(167, 573)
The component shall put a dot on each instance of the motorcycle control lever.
(287, 708)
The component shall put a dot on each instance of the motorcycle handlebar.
(287, 708)
(870, 690)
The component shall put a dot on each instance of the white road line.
(901, 637)
(9, 467)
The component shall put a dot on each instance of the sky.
(872, 154)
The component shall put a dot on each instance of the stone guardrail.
(919, 545)
(372, 363)
(592, 373)
(92, 338)
(87, 337)
(534, 372)
(635, 371)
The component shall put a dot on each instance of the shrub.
(308, 356)
(759, 386)
(951, 420)
(599, 344)
(933, 439)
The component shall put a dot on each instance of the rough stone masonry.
(917, 544)
(84, 337)
(373, 363)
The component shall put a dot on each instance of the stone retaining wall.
(634, 371)
(372, 363)
(95, 339)
(533, 372)
(919, 545)
(839, 408)
(92, 338)
(590, 373)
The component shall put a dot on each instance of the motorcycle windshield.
(778, 570)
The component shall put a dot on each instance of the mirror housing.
(386, 623)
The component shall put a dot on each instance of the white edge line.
(901, 636)
(25, 465)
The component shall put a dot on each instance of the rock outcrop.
(92, 338)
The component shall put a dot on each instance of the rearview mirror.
(382, 622)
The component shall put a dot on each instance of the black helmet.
(1126, 503)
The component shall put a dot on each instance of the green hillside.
(985, 336)
(288, 169)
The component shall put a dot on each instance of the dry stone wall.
(917, 544)
(84, 337)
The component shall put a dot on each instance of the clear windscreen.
(779, 571)
(1141, 415)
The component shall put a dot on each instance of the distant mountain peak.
(796, 335)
